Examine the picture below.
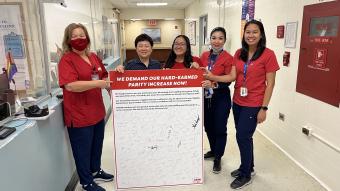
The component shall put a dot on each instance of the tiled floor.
(274, 170)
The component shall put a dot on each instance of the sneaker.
(240, 182)
(236, 173)
(209, 154)
(217, 166)
(103, 176)
(93, 187)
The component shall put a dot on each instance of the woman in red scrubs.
(217, 102)
(82, 76)
(180, 56)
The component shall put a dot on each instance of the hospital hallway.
(157, 72)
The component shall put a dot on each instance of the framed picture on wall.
(154, 33)
(290, 34)
(192, 32)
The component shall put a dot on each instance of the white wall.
(168, 31)
(200, 8)
(315, 157)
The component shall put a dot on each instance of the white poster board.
(158, 128)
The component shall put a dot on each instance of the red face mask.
(79, 43)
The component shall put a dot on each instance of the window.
(324, 26)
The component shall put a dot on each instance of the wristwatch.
(265, 108)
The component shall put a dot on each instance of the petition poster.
(158, 127)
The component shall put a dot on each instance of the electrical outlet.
(282, 116)
(307, 130)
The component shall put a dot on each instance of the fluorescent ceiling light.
(190, 19)
(135, 19)
(152, 4)
(169, 19)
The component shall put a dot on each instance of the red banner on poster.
(146, 79)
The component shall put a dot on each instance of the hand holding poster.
(158, 122)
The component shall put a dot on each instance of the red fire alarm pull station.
(280, 31)
(286, 58)
(319, 62)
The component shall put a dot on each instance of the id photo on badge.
(243, 92)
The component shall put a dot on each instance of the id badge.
(243, 92)
(208, 93)
(94, 76)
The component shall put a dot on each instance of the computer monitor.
(4, 83)
(5, 110)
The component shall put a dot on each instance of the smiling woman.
(180, 56)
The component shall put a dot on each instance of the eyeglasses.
(179, 44)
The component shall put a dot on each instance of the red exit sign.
(152, 22)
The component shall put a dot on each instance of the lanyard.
(245, 68)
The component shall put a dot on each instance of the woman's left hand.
(261, 116)
(207, 84)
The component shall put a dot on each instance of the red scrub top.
(180, 65)
(222, 64)
(255, 78)
(85, 108)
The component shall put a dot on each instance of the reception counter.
(38, 155)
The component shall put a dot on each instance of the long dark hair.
(187, 55)
(260, 46)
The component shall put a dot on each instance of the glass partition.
(31, 34)
(20, 56)
(90, 15)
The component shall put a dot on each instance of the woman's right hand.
(120, 69)
(104, 84)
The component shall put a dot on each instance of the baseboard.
(73, 182)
